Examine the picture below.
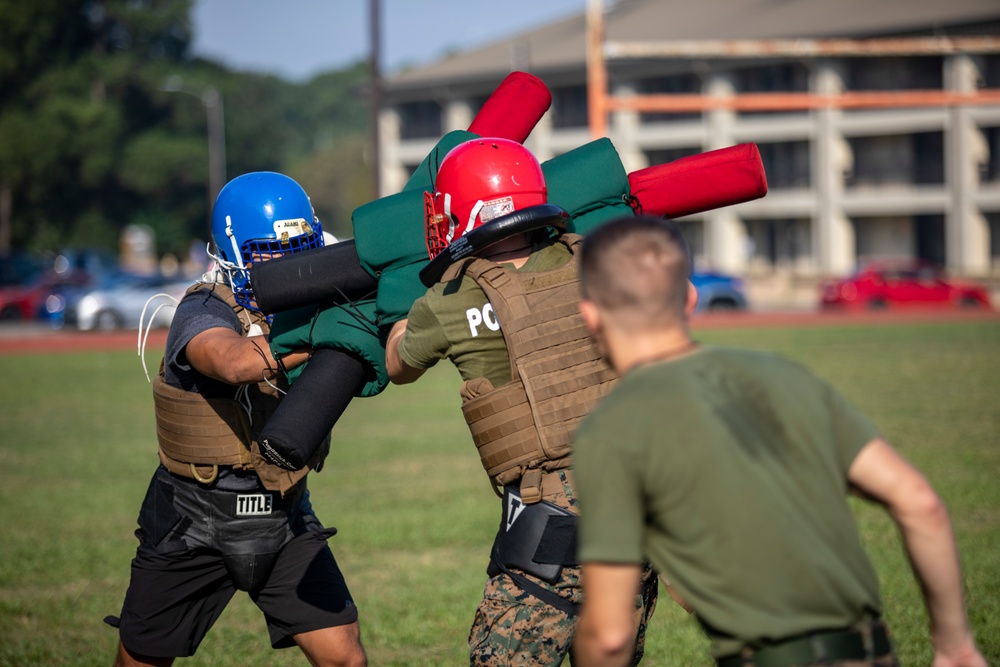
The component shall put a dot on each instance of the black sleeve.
(312, 406)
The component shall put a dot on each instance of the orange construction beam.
(764, 48)
(600, 103)
(801, 101)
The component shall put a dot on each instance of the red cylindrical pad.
(514, 108)
(700, 182)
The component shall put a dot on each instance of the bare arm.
(224, 355)
(606, 634)
(399, 371)
(883, 475)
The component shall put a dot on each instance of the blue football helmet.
(260, 215)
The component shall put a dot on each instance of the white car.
(118, 304)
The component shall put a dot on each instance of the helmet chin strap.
(472, 216)
(232, 239)
(451, 221)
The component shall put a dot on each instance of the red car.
(902, 285)
(22, 301)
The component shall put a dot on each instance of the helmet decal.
(286, 229)
(495, 208)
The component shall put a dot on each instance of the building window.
(993, 220)
(775, 78)
(990, 170)
(694, 233)
(905, 159)
(569, 106)
(888, 237)
(410, 169)
(775, 244)
(665, 155)
(786, 164)
(676, 84)
(929, 233)
(900, 237)
(420, 120)
(476, 103)
(895, 73)
(781, 77)
(991, 70)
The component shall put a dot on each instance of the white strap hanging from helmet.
(473, 214)
(451, 220)
(236, 246)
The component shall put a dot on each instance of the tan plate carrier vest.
(197, 434)
(525, 427)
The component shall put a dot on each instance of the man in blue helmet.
(219, 516)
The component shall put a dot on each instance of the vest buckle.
(205, 480)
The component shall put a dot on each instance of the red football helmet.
(478, 181)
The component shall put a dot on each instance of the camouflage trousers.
(514, 629)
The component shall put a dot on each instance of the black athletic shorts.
(176, 595)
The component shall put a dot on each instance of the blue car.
(718, 292)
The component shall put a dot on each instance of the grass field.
(416, 518)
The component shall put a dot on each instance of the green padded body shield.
(390, 238)
(589, 182)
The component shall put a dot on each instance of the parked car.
(22, 300)
(119, 301)
(17, 270)
(718, 291)
(907, 284)
(18, 267)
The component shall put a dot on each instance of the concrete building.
(886, 147)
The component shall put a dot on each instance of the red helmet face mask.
(478, 181)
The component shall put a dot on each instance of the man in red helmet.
(505, 313)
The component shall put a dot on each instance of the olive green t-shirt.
(455, 320)
(728, 470)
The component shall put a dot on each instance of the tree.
(91, 142)
(74, 90)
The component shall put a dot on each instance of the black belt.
(814, 648)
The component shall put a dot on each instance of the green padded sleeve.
(350, 328)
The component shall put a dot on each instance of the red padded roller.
(514, 108)
(700, 182)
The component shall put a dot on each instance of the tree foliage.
(91, 141)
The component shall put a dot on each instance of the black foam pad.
(327, 275)
(312, 406)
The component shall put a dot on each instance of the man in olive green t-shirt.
(728, 469)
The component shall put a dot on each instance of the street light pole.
(211, 99)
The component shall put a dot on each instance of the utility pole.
(597, 74)
(375, 73)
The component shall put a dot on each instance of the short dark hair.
(637, 265)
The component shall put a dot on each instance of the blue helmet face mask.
(259, 216)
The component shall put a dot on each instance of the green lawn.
(415, 514)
